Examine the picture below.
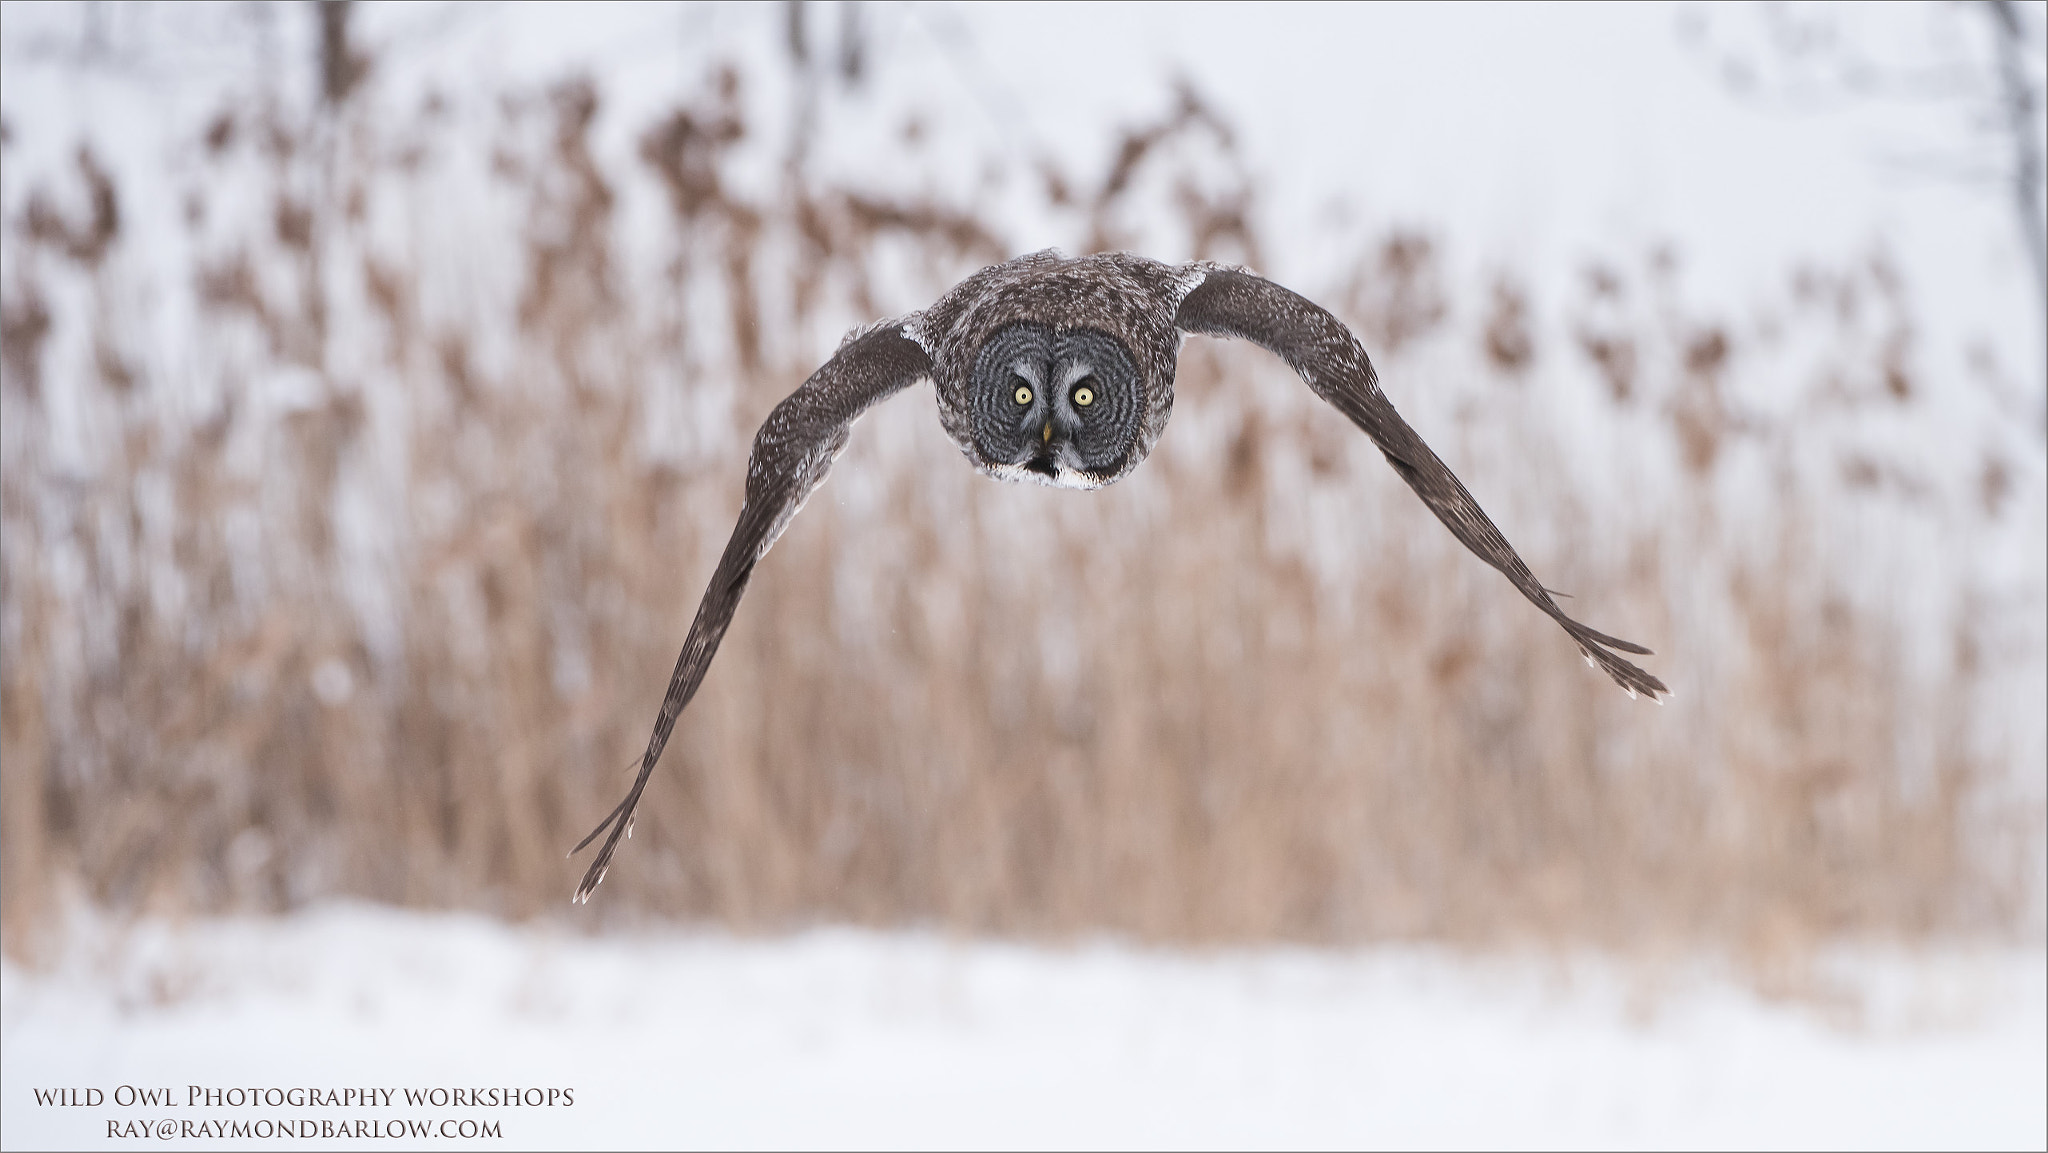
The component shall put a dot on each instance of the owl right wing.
(1330, 360)
(792, 452)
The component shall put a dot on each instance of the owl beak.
(1046, 436)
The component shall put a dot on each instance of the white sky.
(1528, 135)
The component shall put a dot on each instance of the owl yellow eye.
(1023, 395)
(1084, 396)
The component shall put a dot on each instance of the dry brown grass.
(401, 638)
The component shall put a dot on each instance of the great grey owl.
(1060, 371)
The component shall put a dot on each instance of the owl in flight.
(1060, 371)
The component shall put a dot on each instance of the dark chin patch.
(1108, 468)
(1043, 464)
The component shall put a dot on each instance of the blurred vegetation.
(384, 607)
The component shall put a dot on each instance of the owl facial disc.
(1054, 407)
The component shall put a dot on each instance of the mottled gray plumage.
(1060, 371)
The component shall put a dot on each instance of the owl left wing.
(1329, 358)
(791, 454)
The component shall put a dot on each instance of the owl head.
(1054, 370)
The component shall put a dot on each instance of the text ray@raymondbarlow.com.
(167, 1129)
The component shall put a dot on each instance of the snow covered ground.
(852, 1038)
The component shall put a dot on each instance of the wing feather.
(791, 455)
(1330, 360)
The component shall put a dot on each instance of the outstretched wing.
(1318, 347)
(791, 454)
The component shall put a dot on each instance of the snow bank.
(852, 1038)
